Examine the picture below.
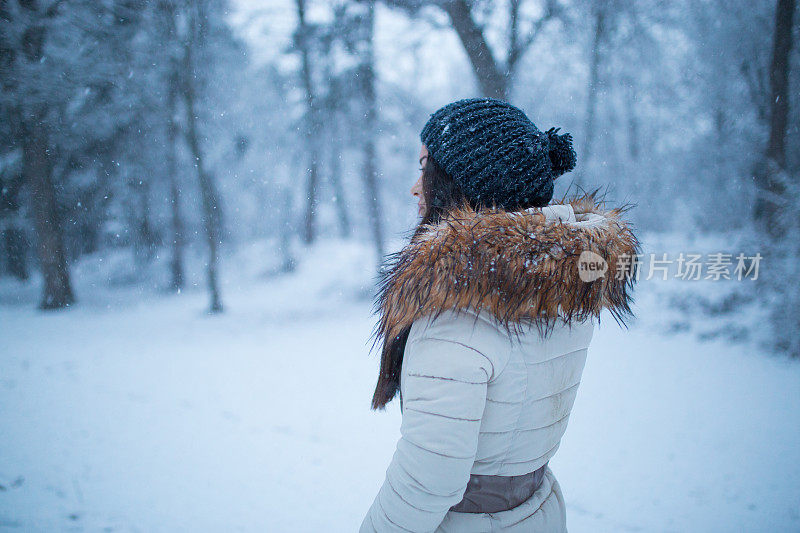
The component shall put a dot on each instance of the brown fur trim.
(514, 265)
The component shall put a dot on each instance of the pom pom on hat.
(562, 154)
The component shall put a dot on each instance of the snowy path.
(158, 418)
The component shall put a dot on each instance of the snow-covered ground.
(135, 411)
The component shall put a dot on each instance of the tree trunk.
(371, 182)
(633, 121)
(491, 80)
(336, 179)
(15, 242)
(312, 124)
(37, 171)
(779, 82)
(335, 145)
(594, 81)
(211, 218)
(370, 126)
(208, 191)
(16, 251)
(146, 240)
(176, 261)
(312, 181)
(770, 173)
(288, 263)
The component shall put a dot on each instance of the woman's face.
(417, 190)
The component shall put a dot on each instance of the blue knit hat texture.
(496, 154)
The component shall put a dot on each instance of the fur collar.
(522, 267)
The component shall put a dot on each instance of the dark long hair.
(441, 194)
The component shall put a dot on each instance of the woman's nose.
(415, 189)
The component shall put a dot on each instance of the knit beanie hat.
(496, 154)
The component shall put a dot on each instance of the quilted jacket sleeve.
(444, 385)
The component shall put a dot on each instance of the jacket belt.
(493, 494)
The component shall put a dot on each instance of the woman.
(486, 317)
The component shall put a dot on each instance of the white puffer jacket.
(482, 391)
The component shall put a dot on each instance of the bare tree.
(493, 70)
(37, 163)
(487, 70)
(332, 104)
(208, 191)
(366, 74)
(632, 118)
(176, 219)
(336, 176)
(14, 243)
(285, 216)
(771, 171)
(600, 14)
(38, 172)
(172, 79)
(312, 121)
(779, 82)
